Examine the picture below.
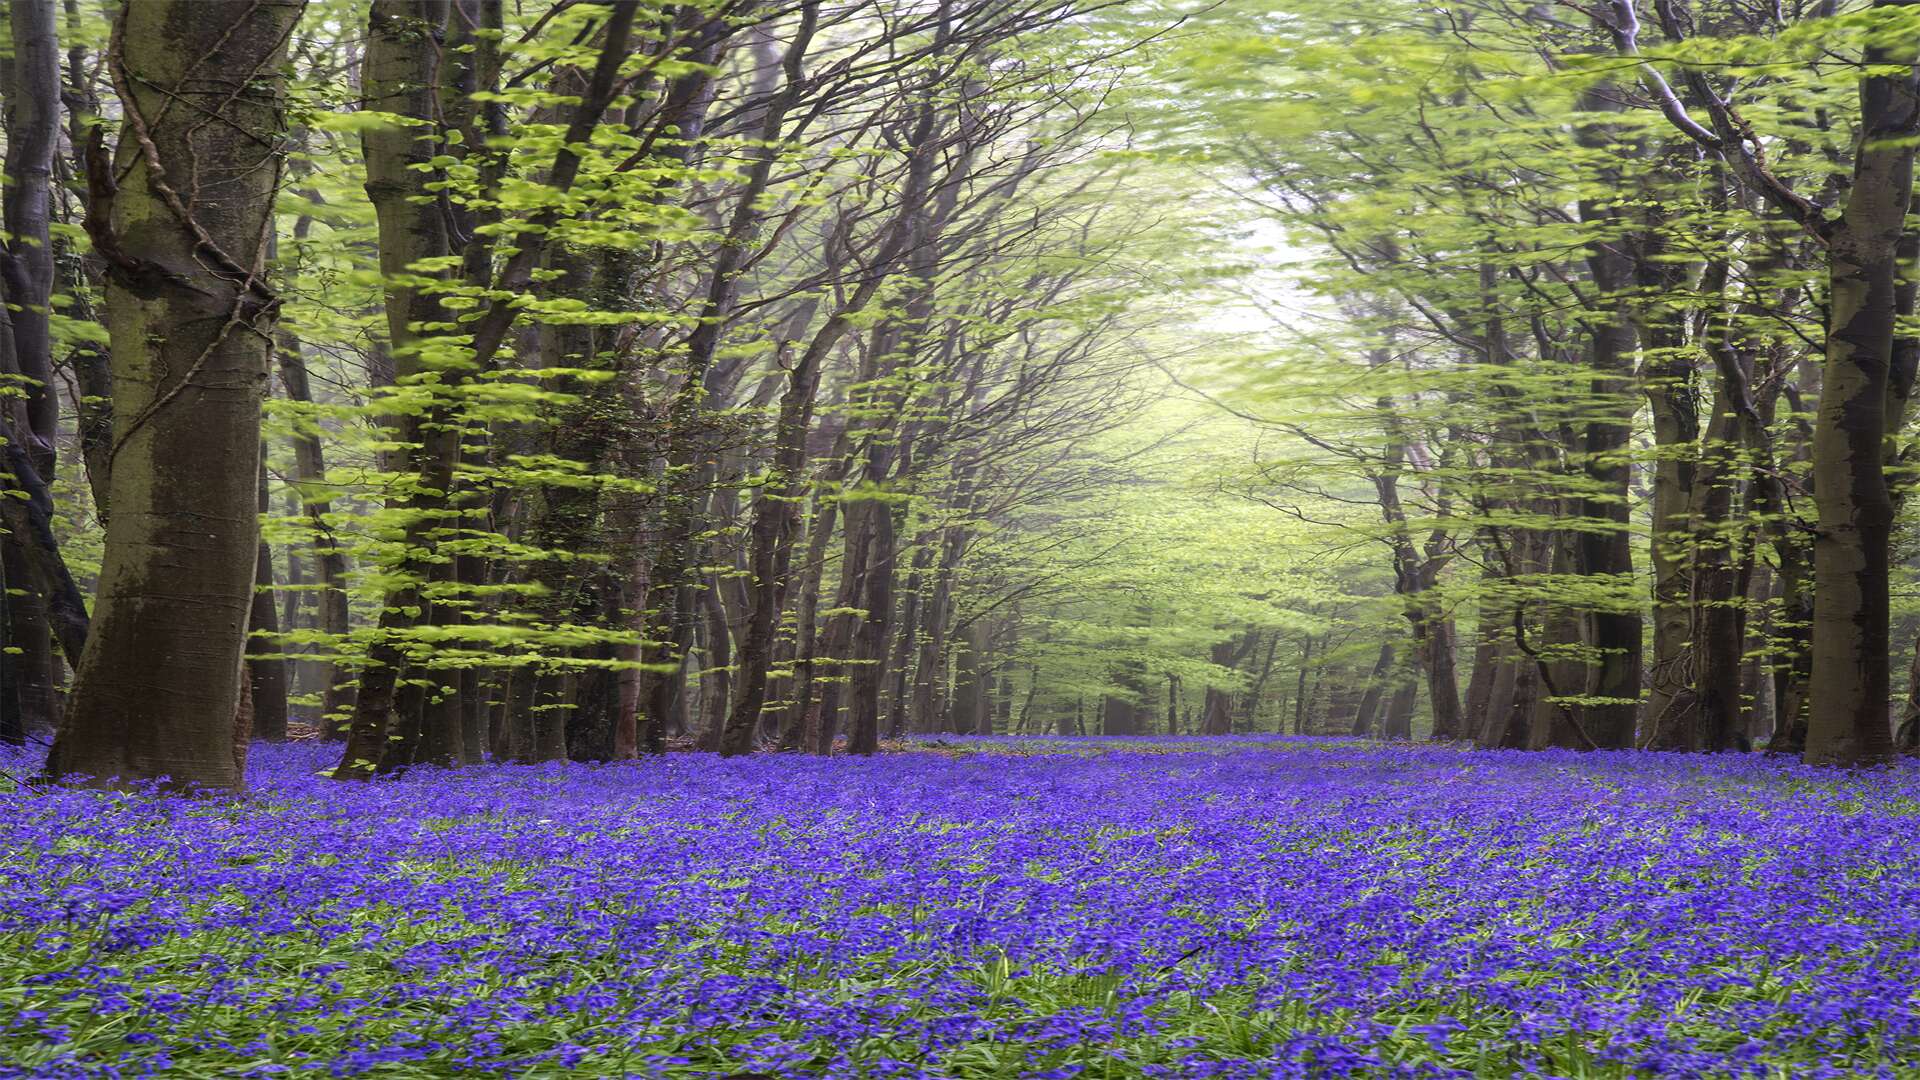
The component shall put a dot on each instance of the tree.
(188, 206)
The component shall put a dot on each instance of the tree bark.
(1363, 717)
(438, 449)
(1849, 722)
(309, 483)
(32, 112)
(190, 319)
(266, 675)
(1612, 683)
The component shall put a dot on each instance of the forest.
(959, 538)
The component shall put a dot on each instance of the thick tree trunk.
(552, 700)
(191, 321)
(1398, 721)
(400, 77)
(1509, 700)
(1849, 722)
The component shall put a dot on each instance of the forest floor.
(1249, 907)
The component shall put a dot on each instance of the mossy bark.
(190, 321)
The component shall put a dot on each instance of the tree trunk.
(1376, 687)
(1907, 735)
(1300, 685)
(837, 644)
(716, 676)
(1669, 387)
(30, 90)
(795, 733)
(439, 445)
(1611, 685)
(907, 635)
(267, 675)
(1849, 723)
(1437, 647)
(13, 725)
(32, 111)
(1398, 722)
(968, 712)
(309, 483)
(871, 629)
(191, 322)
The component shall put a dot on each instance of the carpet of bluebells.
(984, 908)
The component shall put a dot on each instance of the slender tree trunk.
(716, 676)
(968, 713)
(633, 592)
(794, 731)
(1556, 721)
(1756, 686)
(770, 556)
(871, 630)
(1300, 685)
(1720, 618)
(905, 637)
(1907, 735)
(13, 725)
(836, 646)
(938, 619)
(309, 483)
(1612, 682)
(1376, 686)
(266, 675)
(1669, 387)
